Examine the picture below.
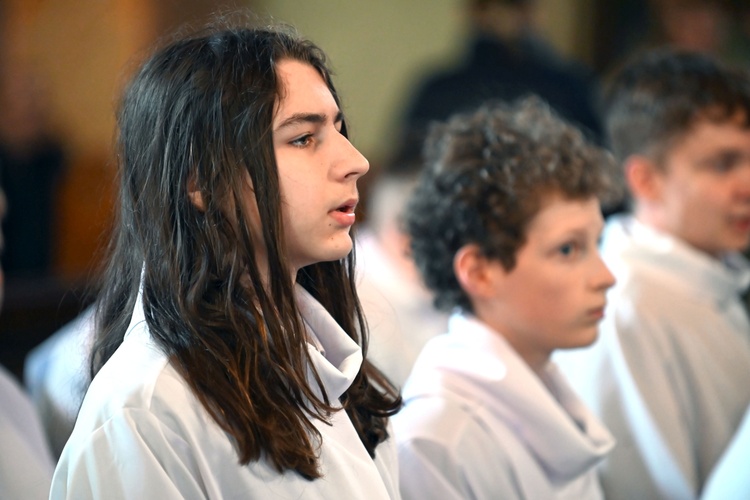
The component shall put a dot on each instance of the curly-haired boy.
(504, 226)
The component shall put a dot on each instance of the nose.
(603, 278)
(742, 182)
(351, 163)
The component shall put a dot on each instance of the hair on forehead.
(656, 97)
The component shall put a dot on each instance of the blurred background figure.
(398, 307)
(26, 464)
(56, 375)
(31, 162)
(507, 57)
(670, 372)
(720, 28)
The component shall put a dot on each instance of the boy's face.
(555, 295)
(318, 168)
(703, 187)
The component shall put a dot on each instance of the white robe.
(478, 423)
(670, 372)
(142, 433)
(26, 464)
(56, 375)
(730, 477)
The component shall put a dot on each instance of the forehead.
(558, 214)
(710, 132)
(302, 89)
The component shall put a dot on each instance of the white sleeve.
(131, 456)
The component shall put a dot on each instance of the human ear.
(643, 177)
(194, 194)
(473, 271)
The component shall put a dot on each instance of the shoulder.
(451, 426)
(140, 424)
(138, 382)
(447, 449)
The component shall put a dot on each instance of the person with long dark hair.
(229, 359)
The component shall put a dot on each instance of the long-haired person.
(229, 358)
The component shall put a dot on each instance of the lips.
(596, 312)
(344, 214)
(741, 223)
(347, 208)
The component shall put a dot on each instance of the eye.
(724, 163)
(302, 141)
(568, 249)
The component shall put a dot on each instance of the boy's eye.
(722, 166)
(303, 141)
(724, 163)
(567, 249)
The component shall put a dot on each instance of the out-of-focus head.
(504, 19)
(695, 25)
(680, 124)
(487, 175)
(656, 98)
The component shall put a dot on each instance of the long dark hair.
(198, 115)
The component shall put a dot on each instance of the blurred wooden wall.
(83, 52)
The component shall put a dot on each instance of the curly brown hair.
(486, 176)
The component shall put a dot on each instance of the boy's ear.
(194, 194)
(473, 271)
(643, 177)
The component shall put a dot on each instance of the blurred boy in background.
(670, 373)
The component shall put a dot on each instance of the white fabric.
(730, 478)
(26, 464)
(479, 424)
(399, 311)
(670, 372)
(56, 375)
(141, 432)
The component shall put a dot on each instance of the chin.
(338, 253)
(585, 339)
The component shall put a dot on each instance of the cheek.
(548, 300)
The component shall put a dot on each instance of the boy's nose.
(604, 277)
(353, 163)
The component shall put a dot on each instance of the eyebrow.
(316, 118)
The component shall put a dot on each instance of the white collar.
(336, 357)
(475, 362)
(627, 241)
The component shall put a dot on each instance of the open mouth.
(346, 209)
